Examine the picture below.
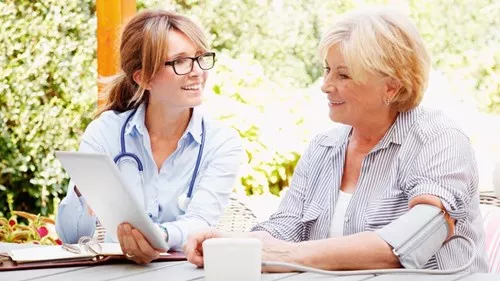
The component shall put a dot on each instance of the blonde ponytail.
(118, 93)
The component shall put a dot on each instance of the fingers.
(145, 248)
(451, 225)
(135, 246)
(194, 246)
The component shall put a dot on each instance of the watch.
(165, 230)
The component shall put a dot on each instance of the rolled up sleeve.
(446, 168)
(73, 220)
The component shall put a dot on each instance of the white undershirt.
(337, 225)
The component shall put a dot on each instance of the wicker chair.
(489, 198)
(236, 218)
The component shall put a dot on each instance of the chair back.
(237, 217)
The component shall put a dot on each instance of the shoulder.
(433, 124)
(106, 125)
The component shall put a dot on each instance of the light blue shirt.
(222, 156)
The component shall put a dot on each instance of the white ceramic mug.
(230, 259)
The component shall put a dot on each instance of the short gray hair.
(382, 41)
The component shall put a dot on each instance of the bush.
(464, 41)
(273, 122)
(266, 83)
(47, 96)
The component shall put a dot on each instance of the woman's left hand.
(134, 246)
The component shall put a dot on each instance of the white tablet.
(98, 180)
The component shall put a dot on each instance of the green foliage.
(266, 82)
(47, 94)
(270, 120)
(464, 40)
(281, 35)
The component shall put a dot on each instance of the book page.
(47, 253)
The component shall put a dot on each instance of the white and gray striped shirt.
(422, 153)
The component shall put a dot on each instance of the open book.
(53, 253)
(69, 255)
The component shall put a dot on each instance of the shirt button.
(346, 219)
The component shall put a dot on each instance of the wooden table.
(183, 271)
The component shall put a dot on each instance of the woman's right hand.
(134, 245)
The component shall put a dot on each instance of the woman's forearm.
(363, 250)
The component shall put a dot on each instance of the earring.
(387, 101)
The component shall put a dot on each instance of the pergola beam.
(111, 15)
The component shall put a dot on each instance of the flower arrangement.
(40, 230)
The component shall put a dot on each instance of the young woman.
(179, 163)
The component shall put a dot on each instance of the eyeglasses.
(183, 66)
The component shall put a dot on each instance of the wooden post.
(111, 15)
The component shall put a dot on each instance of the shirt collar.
(398, 131)
(335, 137)
(194, 127)
(137, 121)
(396, 134)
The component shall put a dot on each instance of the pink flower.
(43, 231)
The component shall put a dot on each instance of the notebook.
(53, 253)
(35, 257)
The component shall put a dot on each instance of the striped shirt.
(422, 153)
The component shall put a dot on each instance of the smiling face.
(352, 103)
(178, 91)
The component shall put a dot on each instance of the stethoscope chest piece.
(183, 202)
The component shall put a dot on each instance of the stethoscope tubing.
(140, 167)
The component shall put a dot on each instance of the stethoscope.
(185, 198)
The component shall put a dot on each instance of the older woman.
(389, 156)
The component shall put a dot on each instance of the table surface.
(183, 271)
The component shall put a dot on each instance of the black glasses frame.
(197, 59)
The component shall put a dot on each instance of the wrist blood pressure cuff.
(417, 235)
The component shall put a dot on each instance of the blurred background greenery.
(265, 85)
